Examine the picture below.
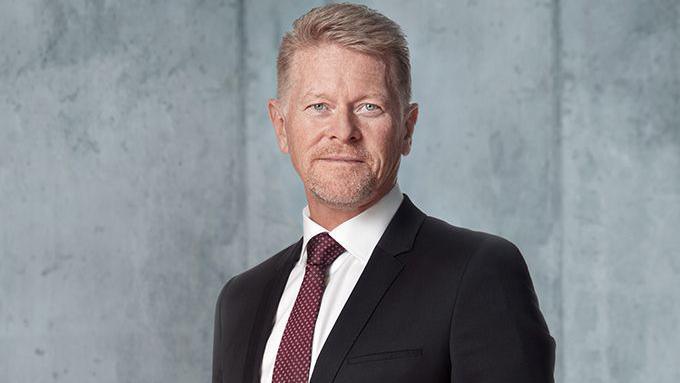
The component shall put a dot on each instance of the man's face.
(342, 125)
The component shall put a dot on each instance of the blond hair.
(352, 26)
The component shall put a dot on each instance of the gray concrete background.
(138, 167)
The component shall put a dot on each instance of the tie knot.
(322, 250)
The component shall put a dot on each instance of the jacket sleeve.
(498, 333)
(217, 344)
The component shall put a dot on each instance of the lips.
(342, 158)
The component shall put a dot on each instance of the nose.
(345, 127)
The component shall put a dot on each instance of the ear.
(279, 123)
(410, 119)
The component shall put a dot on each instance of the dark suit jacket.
(435, 303)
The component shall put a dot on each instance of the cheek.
(384, 149)
(389, 137)
(297, 153)
(300, 144)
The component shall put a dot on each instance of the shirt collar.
(360, 234)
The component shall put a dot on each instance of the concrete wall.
(137, 167)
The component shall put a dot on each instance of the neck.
(330, 217)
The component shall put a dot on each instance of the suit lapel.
(264, 317)
(382, 268)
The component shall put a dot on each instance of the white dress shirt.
(359, 236)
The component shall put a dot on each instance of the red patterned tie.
(294, 355)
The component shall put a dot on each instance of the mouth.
(342, 159)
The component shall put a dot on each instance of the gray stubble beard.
(360, 189)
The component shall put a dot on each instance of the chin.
(345, 193)
(340, 202)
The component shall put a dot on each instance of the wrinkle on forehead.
(369, 74)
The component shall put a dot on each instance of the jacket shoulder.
(439, 233)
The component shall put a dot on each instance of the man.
(375, 290)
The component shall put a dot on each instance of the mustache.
(333, 151)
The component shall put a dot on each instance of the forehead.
(332, 68)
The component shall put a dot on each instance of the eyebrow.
(314, 94)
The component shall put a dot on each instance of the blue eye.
(319, 106)
(370, 108)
